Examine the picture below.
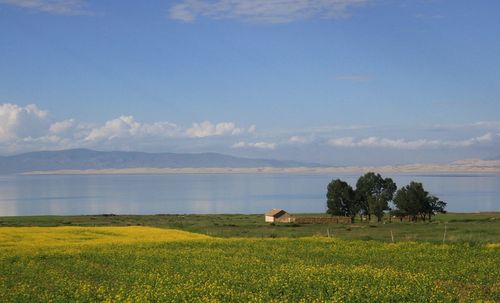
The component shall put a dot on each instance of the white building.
(278, 215)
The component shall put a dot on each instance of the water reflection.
(215, 193)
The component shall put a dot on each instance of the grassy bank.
(138, 264)
(460, 227)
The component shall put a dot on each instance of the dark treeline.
(373, 194)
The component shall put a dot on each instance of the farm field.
(136, 263)
(460, 227)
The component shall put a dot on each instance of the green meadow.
(238, 258)
(460, 227)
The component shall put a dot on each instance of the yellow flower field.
(71, 236)
(142, 264)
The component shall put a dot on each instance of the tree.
(409, 199)
(413, 201)
(340, 199)
(374, 193)
(433, 206)
(398, 214)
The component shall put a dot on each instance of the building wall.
(269, 219)
(285, 218)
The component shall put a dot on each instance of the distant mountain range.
(82, 159)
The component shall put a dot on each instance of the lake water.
(216, 193)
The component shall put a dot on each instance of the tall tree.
(374, 193)
(433, 206)
(340, 199)
(408, 199)
(413, 200)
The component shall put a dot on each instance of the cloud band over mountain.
(29, 128)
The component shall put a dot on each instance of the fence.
(322, 220)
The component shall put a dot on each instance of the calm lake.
(216, 193)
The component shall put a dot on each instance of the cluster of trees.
(373, 194)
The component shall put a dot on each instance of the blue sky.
(334, 81)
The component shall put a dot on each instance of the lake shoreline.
(463, 166)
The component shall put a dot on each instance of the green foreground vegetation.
(228, 258)
(460, 227)
(140, 264)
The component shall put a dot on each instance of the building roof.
(275, 212)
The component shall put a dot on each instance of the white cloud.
(62, 126)
(479, 125)
(124, 126)
(411, 144)
(208, 129)
(264, 11)
(240, 144)
(160, 129)
(127, 126)
(298, 140)
(18, 121)
(342, 142)
(486, 138)
(486, 124)
(25, 128)
(256, 145)
(58, 7)
(226, 128)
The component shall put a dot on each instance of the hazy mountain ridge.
(84, 159)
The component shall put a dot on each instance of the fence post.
(444, 235)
